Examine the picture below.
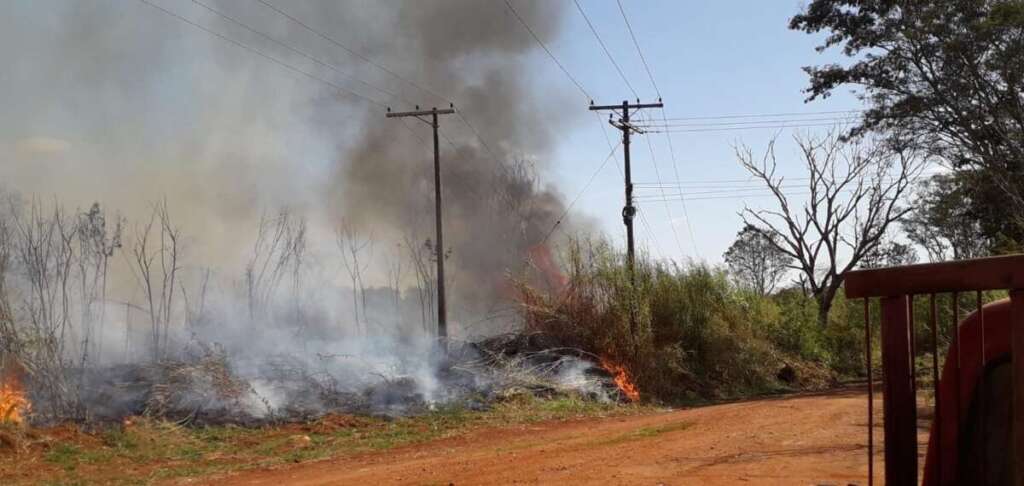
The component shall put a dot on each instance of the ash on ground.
(207, 386)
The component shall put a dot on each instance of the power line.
(264, 55)
(688, 187)
(736, 196)
(478, 137)
(682, 202)
(725, 191)
(739, 196)
(650, 232)
(548, 51)
(611, 155)
(726, 184)
(380, 66)
(668, 138)
(638, 50)
(354, 52)
(286, 46)
(295, 50)
(668, 209)
(728, 181)
(744, 123)
(605, 48)
(695, 130)
(763, 115)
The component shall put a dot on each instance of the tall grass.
(686, 331)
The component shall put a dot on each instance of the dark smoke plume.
(495, 210)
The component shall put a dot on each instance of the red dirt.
(802, 440)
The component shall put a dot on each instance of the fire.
(13, 403)
(622, 379)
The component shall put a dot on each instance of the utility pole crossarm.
(443, 111)
(619, 107)
(442, 306)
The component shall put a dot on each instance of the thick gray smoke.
(495, 211)
(119, 103)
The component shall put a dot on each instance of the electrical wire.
(643, 59)
(548, 51)
(605, 48)
(733, 197)
(650, 233)
(742, 123)
(668, 137)
(732, 129)
(725, 191)
(611, 155)
(293, 49)
(264, 55)
(355, 53)
(764, 115)
(385, 69)
(741, 196)
(668, 209)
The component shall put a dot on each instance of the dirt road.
(797, 440)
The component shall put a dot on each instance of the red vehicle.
(976, 436)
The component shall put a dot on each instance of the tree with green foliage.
(942, 221)
(755, 262)
(944, 75)
(889, 253)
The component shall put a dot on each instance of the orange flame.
(13, 403)
(622, 379)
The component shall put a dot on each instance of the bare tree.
(421, 256)
(37, 325)
(755, 261)
(8, 331)
(279, 250)
(854, 189)
(195, 310)
(395, 271)
(156, 264)
(96, 245)
(351, 245)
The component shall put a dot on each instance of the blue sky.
(709, 59)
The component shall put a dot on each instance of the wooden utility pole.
(442, 308)
(629, 211)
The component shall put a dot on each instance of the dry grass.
(143, 451)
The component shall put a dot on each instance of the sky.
(214, 111)
(708, 59)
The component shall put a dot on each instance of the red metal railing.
(963, 403)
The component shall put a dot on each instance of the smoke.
(119, 103)
(494, 207)
(124, 104)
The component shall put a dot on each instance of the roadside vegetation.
(688, 332)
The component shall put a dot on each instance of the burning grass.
(13, 403)
(622, 379)
(145, 450)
